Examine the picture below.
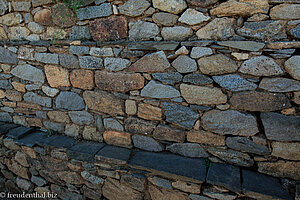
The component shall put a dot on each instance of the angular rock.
(289, 151)
(280, 127)
(90, 62)
(68, 61)
(3, 7)
(165, 19)
(80, 33)
(118, 82)
(285, 11)
(217, 65)
(161, 193)
(166, 133)
(177, 33)
(111, 28)
(157, 90)
(187, 187)
(91, 133)
(160, 182)
(130, 107)
(118, 139)
(206, 138)
(112, 124)
(217, 29)
(104, 102)
(193, 17)
(58, 116)
(29, 73)
(198, 52)
(279, 85)
(23, 184)
(104, 10)
(18, 33)
(197, 79)
(116, 64)
(81, 117)
(234, 82)
(134, 8)
(51, 92)
(143, 31)
(64, 193)
(135, 181)
(35, 27)
(58, 127)
(39, 181)
(35, 98)
(202, 95)
(70, 177)
(261, 66)
(168, 78)
(188, 150)
(101, 52)
(5, 117)
(47, 58)
(57, 76)
(146, 143)
(292, 66)
(243, 45)
(139, 126)
(180, 115)
(83, 79)
(171, 6)
(63, 16)
(151, 63)
(203, 4)
(69, 101)
(295, 32)
(184, 64)
(230, 122)
(246, 145)
(7, 56)
(17, 169)
(149, 112)
(79, 50)
(11, 19)
(283, 169)
(259, 101)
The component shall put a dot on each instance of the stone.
(180, 115)
(259, 101)
(143, 31)
(91, 133)
(243, 45)
(7, 56)
(162, 193)
(13, 95)
(263, 30)
(198, 52)
(295, 32)
(241, 8)
(134, 8)
(171, 6)
(51, 92)
(112, 124)
(80, 33)
(154, 62)
(104, 102)
(279, 85)
(92, 178)
(58, 116)
(21, 158)
(230, 122)
(168, 78)
(23, 184)
(186, 187)
(101, 52)
(112, 189)
(43, 17)
(202, 95)
(63, 16)
(111, 28)
(90, 62)
(155, 89)
(35, 27)
(217, 65)
(17, 169)
(103, 10)
(34, 98)
(57, 76)
(3, 35)
(289, 151)
(177, 33)
(81, 117)
(130, 107)
(246, 145)
(231, 156)
(280, 168)
(146, 143)
(139, 126)
(160, 182)
(47, 58)
(83, 79)
(39, 181)
(70, 177)
(165, 19)
(69, 101)
(202, 3)
(166, 133)
(116, 64)
(18, 33)
(68, 61)
(65, 193)
(292, 67)
(72, 130)
(79, 50)
(197, 79)
(36, 3)
(193, 17)
(118, 82)
(217, 29)
(11, 19)
(188, 150)
(149, 112)
(120, 139)
(261, 66)
(234, 82)
(113, 154)
(280, 127)
(53, 126)
(184, 64)
(21, 6)
(206, 138)
(3, 7)
(135, 181)
(285, 11)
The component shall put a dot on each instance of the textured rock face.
(188, 149)
(149, 112)
(166, 19)
(117, 138)
(157, 90)
(143, 31)
(184, 64)
(146, 143)
(166, 133)
(176, 33)
(69, 101)
(193, 17)
(57, 76)
(283, 11)
(279, 85)
(83, 79)
(28, 72)
(292, 66)
(104, 10)
(246, 145)
(134, 8)
(288, 151)
(284, 169)
(63, 16)
(234, 83)
(171, 6)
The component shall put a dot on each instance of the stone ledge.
(249, 183)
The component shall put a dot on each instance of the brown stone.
(13, 95)
(17, 169)
(296, 98)
(289, 151)
(32, 106)
(3, 35)
(58, 116)
(259, 101)
(43, 17)
(282, 169)
(58, 50)
(91, 133)
(2, 94)
(83, 79)
(187, 187)
(163, 132)
(70, 177)
(29, 151)
(21, 158)
(9, 104)
(111, 28)
(205, 137)
(202, 3)
(118, 82)
(112, 189)
(149, 112)
(57, 76)
(118, 139)
(34, 122)
(63, 16)
(104, 102)
(159, 194)
(19, 86)
(135, 125)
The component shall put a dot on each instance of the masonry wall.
(201, 79)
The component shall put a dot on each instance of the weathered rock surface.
(81, 117)
(279, 85)
(149, 112)
(171, 6)
(7, 56)
(57, 76)
(197, 79)
(193, 17)
(63, 16)
(120, 139)
(202, 3)
(243, 45)
(292, 66)
(246, 145)
(83, 79)
(146, 143)
(168, 78)
(283, 169)
(184, 64)
(163, 132)
(289, 151)
(198, 52)
(35, 98)
(166, 19)
(283, 11)
(176, 33)
(206, 138)
(103, 10)
(28, 72)
(155, 89)
(134, 8)
(69, 101)
(116, 64)
(234, 82)
(188, 149)
(143, 31)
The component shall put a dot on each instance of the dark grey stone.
(153, 45)
(234, 82)
(200, 43)
(19, 132)
(8, 57)
(4, 128)
(79, 50)
(84, 151)
(295, 32)
(5, 84)
(69, 101)
(113, 154)
(259, 186)
(139, 126)
(246, 145)
(90, 62)
(31, 139)
(131, 54)
(173, 164)
(35, 98)
(59, 141)
(188, 149)
(53, 126)
(197, 79)
(5, 117)
(80, 33)
(168, 78)
(180, 115)
(39, 181)
(69, 61)
(201, 108)
(40, 43)
(146, 143)
(92, 12)
(224, 175)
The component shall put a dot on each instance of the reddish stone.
(111, 28)
(83, 79)
(63, 16)
(163, 132)
(43, 17)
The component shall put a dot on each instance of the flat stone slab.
(173, 164)
(259, 186)
(224, 175)
(84, 151)
(59, 141)
(153, 45)
(113, 154)
(31, 139)
(19, 132)
(6, 127)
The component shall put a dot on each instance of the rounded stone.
(63, 16)
(43, 17)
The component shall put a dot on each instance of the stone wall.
(201, 79)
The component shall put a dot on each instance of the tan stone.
(11, 19)
(282, 169)
(285, 11)
(21, 158)
(130, 107)
(205, 137)
(17, 169)
(58, 50)
(202, 95)
(118, 139)
(2, 94)
(83, 79)
(149, 112)
(187, 187)
(70, 177)
(162, 132)
(13, 95)
(54, 33)
(6, 68)
(58, 116)
(57, 76)
(283, 45)
(43, 17)
(3, 35)
(91, 133)
(19, 86)
(159, 194)
(9, 104)
(296, 98)
(29, 151)
(21, 120)
(34, 122)
(72, 130)
(289, 151)
(18, 33)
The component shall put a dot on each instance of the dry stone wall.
(209, 79)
